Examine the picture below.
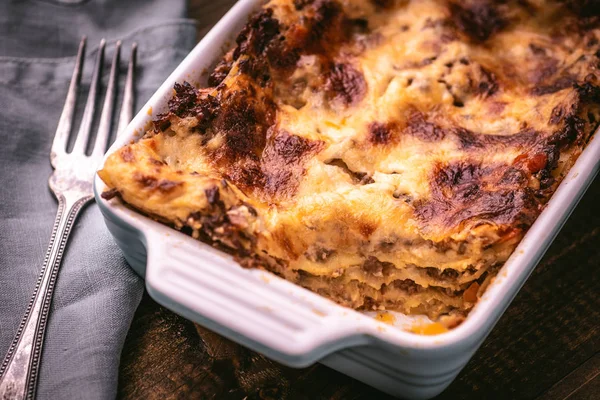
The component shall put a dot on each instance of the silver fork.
(71, 183)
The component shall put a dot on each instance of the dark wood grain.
(546, 346)
(208, 12)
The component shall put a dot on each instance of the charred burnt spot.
(323, 27)
(275, 49)
(266, 47)
(243, 132)
(360, 25)
(188, 101)
(206, 111)
(418, 126)
(587, 91)
(270, 168)
(283, 57)
(381, 133)
(255, 40)
(464, 191)
(583, 8)
(458, 175)
(256, 69)
(184, 99)
(345, 83)
(530, 8)
(283, 163)
(469, 140)
(325, 24)
(571, 132)
(299, 5)
(478, 20)
(221, 71)
(257, 34)
(242, 122)
(290, 149)
(320, 29)
(549, 77)
(383, 4)
(162, 122)
(571, 128)
(561, 83)
(246, 173)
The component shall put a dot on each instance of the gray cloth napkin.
(97, 293)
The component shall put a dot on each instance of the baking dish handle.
(265, 313)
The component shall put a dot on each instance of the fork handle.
(19, 370)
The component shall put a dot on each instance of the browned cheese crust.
(385, 154)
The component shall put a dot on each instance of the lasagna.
(386, 154)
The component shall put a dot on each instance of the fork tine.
(90, 106)
(127, 107)
(59, 145)
(107, 110)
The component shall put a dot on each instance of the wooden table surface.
(546, 346)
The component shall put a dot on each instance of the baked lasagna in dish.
(384, 154)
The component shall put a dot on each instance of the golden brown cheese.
(386, 154)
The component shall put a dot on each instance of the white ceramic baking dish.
(293, 325)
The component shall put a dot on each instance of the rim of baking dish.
(495, 299)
